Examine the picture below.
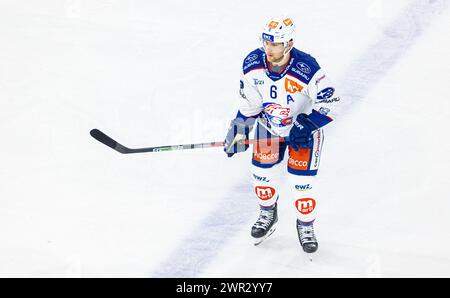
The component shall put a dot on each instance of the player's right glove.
(300, 135)
(238, 133)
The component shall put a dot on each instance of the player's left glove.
(300, 135)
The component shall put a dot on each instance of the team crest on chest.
(277, 114)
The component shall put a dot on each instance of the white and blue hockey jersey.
(301, 87)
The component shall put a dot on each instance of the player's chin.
(274, 59)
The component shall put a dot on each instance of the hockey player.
(286, 92)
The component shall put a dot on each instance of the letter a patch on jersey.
(292, 86)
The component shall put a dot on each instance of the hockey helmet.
(279, 30)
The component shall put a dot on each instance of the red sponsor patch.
(305, 205)
(265, 192)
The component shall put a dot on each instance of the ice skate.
(307, 238)
(265, 225)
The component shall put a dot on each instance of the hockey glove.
(238, 133)
(300, 135)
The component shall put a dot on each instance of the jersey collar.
(275, 76)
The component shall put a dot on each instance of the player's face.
(274, 51)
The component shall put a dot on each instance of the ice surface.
(166, 72)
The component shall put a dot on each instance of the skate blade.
(258, 241)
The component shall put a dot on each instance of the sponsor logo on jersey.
(292, 86)
(306, 205)
(304, 187)
(259, 178)
(303, 75)
(320, 79)
(336, 99)
(277, 114)
(264, 192)
(325, 93)
(251, 58)
(251, 64)
(258, 82)
(303, 67)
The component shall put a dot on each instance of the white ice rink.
(154, 73)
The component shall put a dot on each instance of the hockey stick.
(268, 128)
(103, 138)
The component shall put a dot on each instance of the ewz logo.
(304, 187)
(259, 178)
(267, 37)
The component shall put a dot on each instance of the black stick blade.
(102, 138)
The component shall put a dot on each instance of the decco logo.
(262, 156)
(298, 163)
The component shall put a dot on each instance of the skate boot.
(265, 225)
(307, 238)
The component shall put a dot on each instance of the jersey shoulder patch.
(253, 61)
(304, 66)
